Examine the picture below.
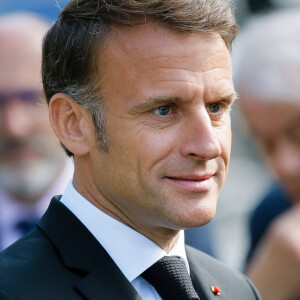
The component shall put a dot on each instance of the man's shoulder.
(212, 272)
(210, 264)
(31, 267)
(29, 249)
(30, 256)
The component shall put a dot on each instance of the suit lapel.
(106, 281)
(101, 278)
(81, 252)
(202, 280)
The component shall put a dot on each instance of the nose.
(15, 120)
(200, 138)
(286, 160)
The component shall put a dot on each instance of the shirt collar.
(131, 251)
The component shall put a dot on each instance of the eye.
(163, 110)
(215, 108)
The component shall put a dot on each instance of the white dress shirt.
(131, 251)
(13, 211)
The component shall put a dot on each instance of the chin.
(29, 181)
(202, 219)
(194, 217)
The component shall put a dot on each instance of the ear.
(71, 123)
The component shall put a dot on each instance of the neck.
(164, 237)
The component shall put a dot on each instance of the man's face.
(276, 125)
(29, 155)
(167, 97)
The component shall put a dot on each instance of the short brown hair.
(70, 47)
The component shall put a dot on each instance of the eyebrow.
(157, 101)
(160, 101)
(231, 96)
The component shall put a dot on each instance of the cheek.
(156, 144)
(149, 146)
(225, 138)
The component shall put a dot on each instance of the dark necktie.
(171, 280)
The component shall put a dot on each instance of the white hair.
(266, 57)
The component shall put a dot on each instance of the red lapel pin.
(216, 290)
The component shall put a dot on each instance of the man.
(32, 165)
(139, 93)
(268, 83)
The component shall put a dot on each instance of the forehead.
(20, 60)
(270, 118)
(142, 36)
(151, 41)
(151, 53)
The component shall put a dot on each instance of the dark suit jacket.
(61, 259)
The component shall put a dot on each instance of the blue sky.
(46, 8)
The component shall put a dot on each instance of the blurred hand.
(275, 266)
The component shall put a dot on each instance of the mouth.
(195, 183)
(21, 153)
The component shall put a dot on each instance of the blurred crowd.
(258, 222)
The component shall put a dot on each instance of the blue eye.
(215, 108)
(163, 110)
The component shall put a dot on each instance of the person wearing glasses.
(32, 165)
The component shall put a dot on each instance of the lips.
(192, 182)
(191, 177)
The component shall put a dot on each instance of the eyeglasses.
(25, 96)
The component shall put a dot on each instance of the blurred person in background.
(268, 81)
(32, 164)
